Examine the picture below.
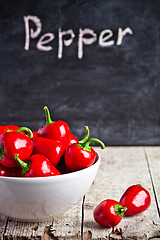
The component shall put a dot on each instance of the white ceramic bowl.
(42, 198)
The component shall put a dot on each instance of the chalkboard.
(92, 63)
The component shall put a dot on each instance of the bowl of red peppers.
(46, 172)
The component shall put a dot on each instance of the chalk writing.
(86, 36)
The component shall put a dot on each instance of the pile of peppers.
(49, 151)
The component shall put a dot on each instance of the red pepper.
(9, 172)
(50, 148)
(8, 128)
(136, 198)
(4, 171)
(109, 213)
(34, 134)
(80, 155)
(37, 166)
(73, 139)
(12, 143)
(15, 172)
(58, 130)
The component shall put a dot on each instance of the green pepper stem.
(25, 129)
(2, 154)
(24, 165)
(87, 135)
(8, 130)
(86, 144)
(123, 209)
(120, 210)
(48, 116)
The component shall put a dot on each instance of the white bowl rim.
(61, 177)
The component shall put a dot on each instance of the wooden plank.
(153, 158)
(3, 223)
(120, 168)
(17, 229)
(68, 225)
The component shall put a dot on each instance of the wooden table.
(120, 168)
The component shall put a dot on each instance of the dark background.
(114, 90)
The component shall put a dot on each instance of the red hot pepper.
(109, 213)
(136, 198)
(50, 148)
(37, 166)
(80, 155)
(34, 134)
(8, 128)
(12, 143)
(4, 171)
(58, 130)
(73, 139)
(9, 172)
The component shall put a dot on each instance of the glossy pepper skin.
(109, 213)
(9, 172)
(80, 155)
(58, 130)
(12, 143)
(8, 128)
(136, 198)
(4, 171)
(50, 148)
(74, 139)
(37, 166)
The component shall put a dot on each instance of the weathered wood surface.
(120, 168)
